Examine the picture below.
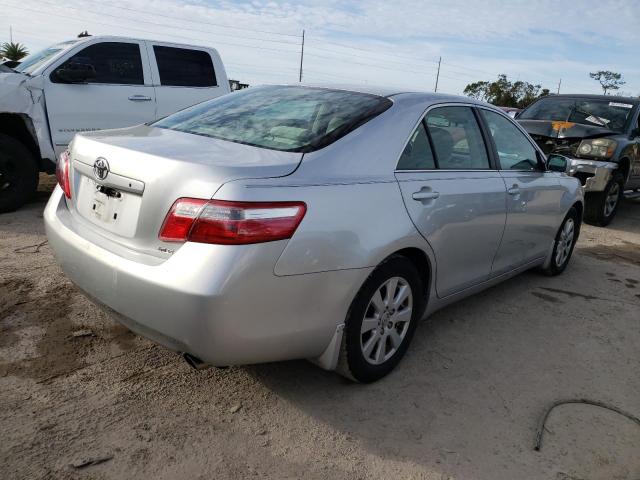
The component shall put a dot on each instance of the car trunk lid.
(124, 181)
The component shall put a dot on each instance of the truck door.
(184, 76)
(120, 93)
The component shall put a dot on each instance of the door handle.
(139, 98)
(514, 190)
(422, 195)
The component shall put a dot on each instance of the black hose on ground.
(584, 401)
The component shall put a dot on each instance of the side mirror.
(76, 72)
(557, 163)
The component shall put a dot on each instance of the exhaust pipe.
(195, 362)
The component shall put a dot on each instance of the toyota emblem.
(101, 168)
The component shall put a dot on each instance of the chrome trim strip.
(119, 182)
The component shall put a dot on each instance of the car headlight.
(597, 148)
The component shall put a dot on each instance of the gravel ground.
(464, 404)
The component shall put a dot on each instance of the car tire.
(601, 207)
(380, 322)
(18, 174)
(564, 244)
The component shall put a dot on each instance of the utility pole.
(559, 83)
(10, 34)
(438, 74)
(301, 57)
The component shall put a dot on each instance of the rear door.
(184, 76)
(120, 95)
(533, 195)
(454, 196)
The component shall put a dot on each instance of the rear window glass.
(287, 118)
(611, 114)
(183, 67)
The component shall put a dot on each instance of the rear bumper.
(220, 303)
(593, 175)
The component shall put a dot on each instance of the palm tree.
(13, 51)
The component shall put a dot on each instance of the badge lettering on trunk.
(101, 168)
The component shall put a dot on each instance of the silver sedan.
(286, 222)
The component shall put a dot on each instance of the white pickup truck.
(93, 83)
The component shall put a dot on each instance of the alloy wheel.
(386, 320)
(612, 199)
(565, 242)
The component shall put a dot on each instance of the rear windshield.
(287, 118)
(603, 113)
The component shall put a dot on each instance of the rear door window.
(457, 139)
(114, 62)
(184, 67)
(417, 154)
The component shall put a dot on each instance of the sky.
(394, 43)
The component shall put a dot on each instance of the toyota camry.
(286, 222)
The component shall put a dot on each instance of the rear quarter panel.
(355, 213)
(346, 226)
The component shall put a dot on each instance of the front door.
(120, 95)
(454, 196)
(533, 196)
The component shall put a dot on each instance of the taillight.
(231, 223)
(62, 173)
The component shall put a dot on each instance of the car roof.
(611, 98)
(383, 91)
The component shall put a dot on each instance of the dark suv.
(600, 134)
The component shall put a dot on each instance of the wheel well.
(624, 167)
(19, 126)
(580, 209)
(422, 264)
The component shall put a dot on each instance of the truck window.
(182, 67)
(114, 62)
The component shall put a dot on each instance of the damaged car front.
(600, 136)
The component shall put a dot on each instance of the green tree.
(13, 51)
(505, 93)
(608, 80)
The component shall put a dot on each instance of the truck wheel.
(18, 174)
(601, 207)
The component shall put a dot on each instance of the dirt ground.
(464, 403)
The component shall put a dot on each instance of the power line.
(171, 17)
(166, 25)
(377, 52)
(350, 55)
(372, 65)
(142, 30)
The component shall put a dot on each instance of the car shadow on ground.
(478, 375)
